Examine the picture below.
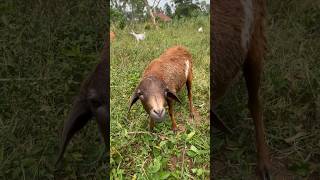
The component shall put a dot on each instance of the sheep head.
(154, 96)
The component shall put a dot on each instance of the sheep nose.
(159, 112)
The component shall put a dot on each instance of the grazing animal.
(91, 101)
(238, 42)
(161, 80)
(200, 29)
(112, 35)
(139, 37)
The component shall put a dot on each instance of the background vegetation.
(135, 152)
(47, 48)
(290, 90)
(124, 12)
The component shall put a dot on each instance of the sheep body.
(238, 43)
(161, 80)
(172, 67)
(234, 32)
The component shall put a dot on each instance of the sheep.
(161, 80)
(91, 101)
(112, 35)
(139, 37)
(200, 29)
(238, 42)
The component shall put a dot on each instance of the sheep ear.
(79, 116)
(171, 95)
(134, 98)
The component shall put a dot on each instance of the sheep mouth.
(157, 117)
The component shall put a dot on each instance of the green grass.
(135, 152)
(47, 48)
(290, 90)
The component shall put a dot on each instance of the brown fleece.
(170, 68)
(230, 56)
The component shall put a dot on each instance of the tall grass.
(47, 48)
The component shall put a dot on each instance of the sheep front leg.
(252, 71)
(174, 124)
(151, 124)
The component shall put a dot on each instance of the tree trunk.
(153, 18)
(123, 8)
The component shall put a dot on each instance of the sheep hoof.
(191, 116)
(264, 173)
(174, 129)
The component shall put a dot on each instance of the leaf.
(164, 175)
(162, 143)
(155, 166)
(194, 149)
(198, 172)
(190, 135)
(134, 177)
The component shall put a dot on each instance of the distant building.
(162, 16)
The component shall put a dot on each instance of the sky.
(163, 2)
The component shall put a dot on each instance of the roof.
(162, 16)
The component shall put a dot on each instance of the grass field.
(47, 48)
(137, 153)
(290, 90)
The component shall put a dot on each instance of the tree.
(185, 8)
(204, 6)
(167, 10)
(150, 9)
(137, 8)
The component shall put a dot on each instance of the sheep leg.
(101, 115)
(151, 124)
(174, 124)
(252, 71)
(189, 85)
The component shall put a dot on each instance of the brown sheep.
(160, 82)
(238, 42)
